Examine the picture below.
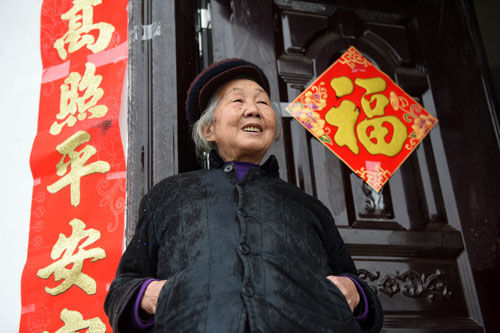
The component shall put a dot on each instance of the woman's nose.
(251, 110)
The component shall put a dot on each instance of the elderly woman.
(234, 248)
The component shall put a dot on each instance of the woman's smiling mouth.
(252, 129)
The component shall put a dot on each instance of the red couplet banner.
(78, 167)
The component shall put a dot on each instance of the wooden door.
(427, 243)
(406, 240)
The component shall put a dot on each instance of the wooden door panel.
(410, 278)
(330, 190)
(400, 238)
(321, 49)
(304, 175)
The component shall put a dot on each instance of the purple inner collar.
(242, 168)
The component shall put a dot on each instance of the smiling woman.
(244, 122)
(234, 248)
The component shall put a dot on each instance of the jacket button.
(228, 168)
(244, 249)
(242, 212)
(248, 291)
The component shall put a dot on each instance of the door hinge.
(205, 17)
(203, 28)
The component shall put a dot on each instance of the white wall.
(20, 74)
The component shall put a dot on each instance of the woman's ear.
(208, 132)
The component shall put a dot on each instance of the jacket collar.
(271, 166)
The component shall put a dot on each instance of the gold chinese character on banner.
(80, 18)
(371, 132)
(79, 94)
(73, 323)
(67, 252)
(77, 160)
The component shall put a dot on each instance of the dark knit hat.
(214, 76)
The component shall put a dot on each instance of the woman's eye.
(263, 102)
(239, 100)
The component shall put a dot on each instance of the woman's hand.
(150, 297)
(348, 288)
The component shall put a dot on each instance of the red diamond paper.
(363, 117)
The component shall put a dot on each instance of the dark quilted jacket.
(238, 256)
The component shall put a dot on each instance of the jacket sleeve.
(137, 265)
(341, 263)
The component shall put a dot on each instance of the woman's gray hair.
(202, 145)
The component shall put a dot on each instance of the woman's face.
(244, 122)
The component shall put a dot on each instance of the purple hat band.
(216, 75)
